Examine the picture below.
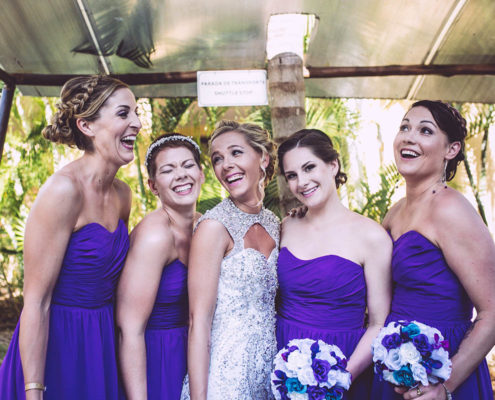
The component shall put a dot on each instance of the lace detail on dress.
(243, 341)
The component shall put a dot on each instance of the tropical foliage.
(28, 160)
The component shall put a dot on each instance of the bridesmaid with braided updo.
(443, 258)
(75, 245)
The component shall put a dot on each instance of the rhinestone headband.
(159, 142)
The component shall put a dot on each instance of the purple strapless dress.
(81, 361)
(166, 335)
(323, 298)
(426, 290)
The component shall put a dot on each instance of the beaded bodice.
(248, 280)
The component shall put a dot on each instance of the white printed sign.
(232, 88)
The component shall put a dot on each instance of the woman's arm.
(377, 273)
(152, 247)
(48, 230)
(209, 245)
(470, 252)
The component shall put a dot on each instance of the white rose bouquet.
(409, 353)
(307, 369)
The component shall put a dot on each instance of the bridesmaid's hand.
(298, 212)
(431, 392)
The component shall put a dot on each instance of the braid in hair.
(81, 97)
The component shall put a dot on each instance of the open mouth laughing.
(128, 141)
(407, 153)
(232, 179)
(183, 189)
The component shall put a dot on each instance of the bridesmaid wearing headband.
(152, 309)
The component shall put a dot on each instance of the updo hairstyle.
(318, 143)
(257, 137)
(175, 141)
(80, 97)
(450, 121)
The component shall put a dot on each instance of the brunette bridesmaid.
(152, 301)
(444, 257)
(333, 265)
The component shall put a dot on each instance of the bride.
(232, 277)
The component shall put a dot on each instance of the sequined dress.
(243, 342)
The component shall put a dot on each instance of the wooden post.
(5, 106)
(286, 97)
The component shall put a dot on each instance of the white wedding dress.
(243, 342)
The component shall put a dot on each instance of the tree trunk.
(286, 96)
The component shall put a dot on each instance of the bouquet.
(307, 369)
(409, 353)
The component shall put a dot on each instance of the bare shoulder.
(125, 197)
(122, 188)
(370, 232)
(60, 195)
(212, 232)
(154, 231)
(450, 211)
(391, 213)
(290, 222)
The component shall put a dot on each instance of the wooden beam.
(5, 106)
(4, 76)
(314, 72)
(130, 79)
(389, 70)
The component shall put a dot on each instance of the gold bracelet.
(34, 386)
(447, 391)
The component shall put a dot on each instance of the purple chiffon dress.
(426, 290)
(166, 335)
(323, 298)
(81, 359)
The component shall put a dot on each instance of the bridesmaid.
(75, 245)
(152, 309)
(333, 263)
(444, 258)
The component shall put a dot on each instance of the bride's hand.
(298, 212)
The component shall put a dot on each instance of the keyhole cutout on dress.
(257, 238)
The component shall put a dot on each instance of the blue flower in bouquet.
(410, 330)
(293, 385)
(320, 370)
(392, 341)
(307, 369)
(334, 393)
(407, 353)
(404, 376)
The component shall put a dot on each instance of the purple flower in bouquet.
(391, 341)
(317, 393)
(422, 344)
(310, 370)
(408, 353)
(320, 370)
